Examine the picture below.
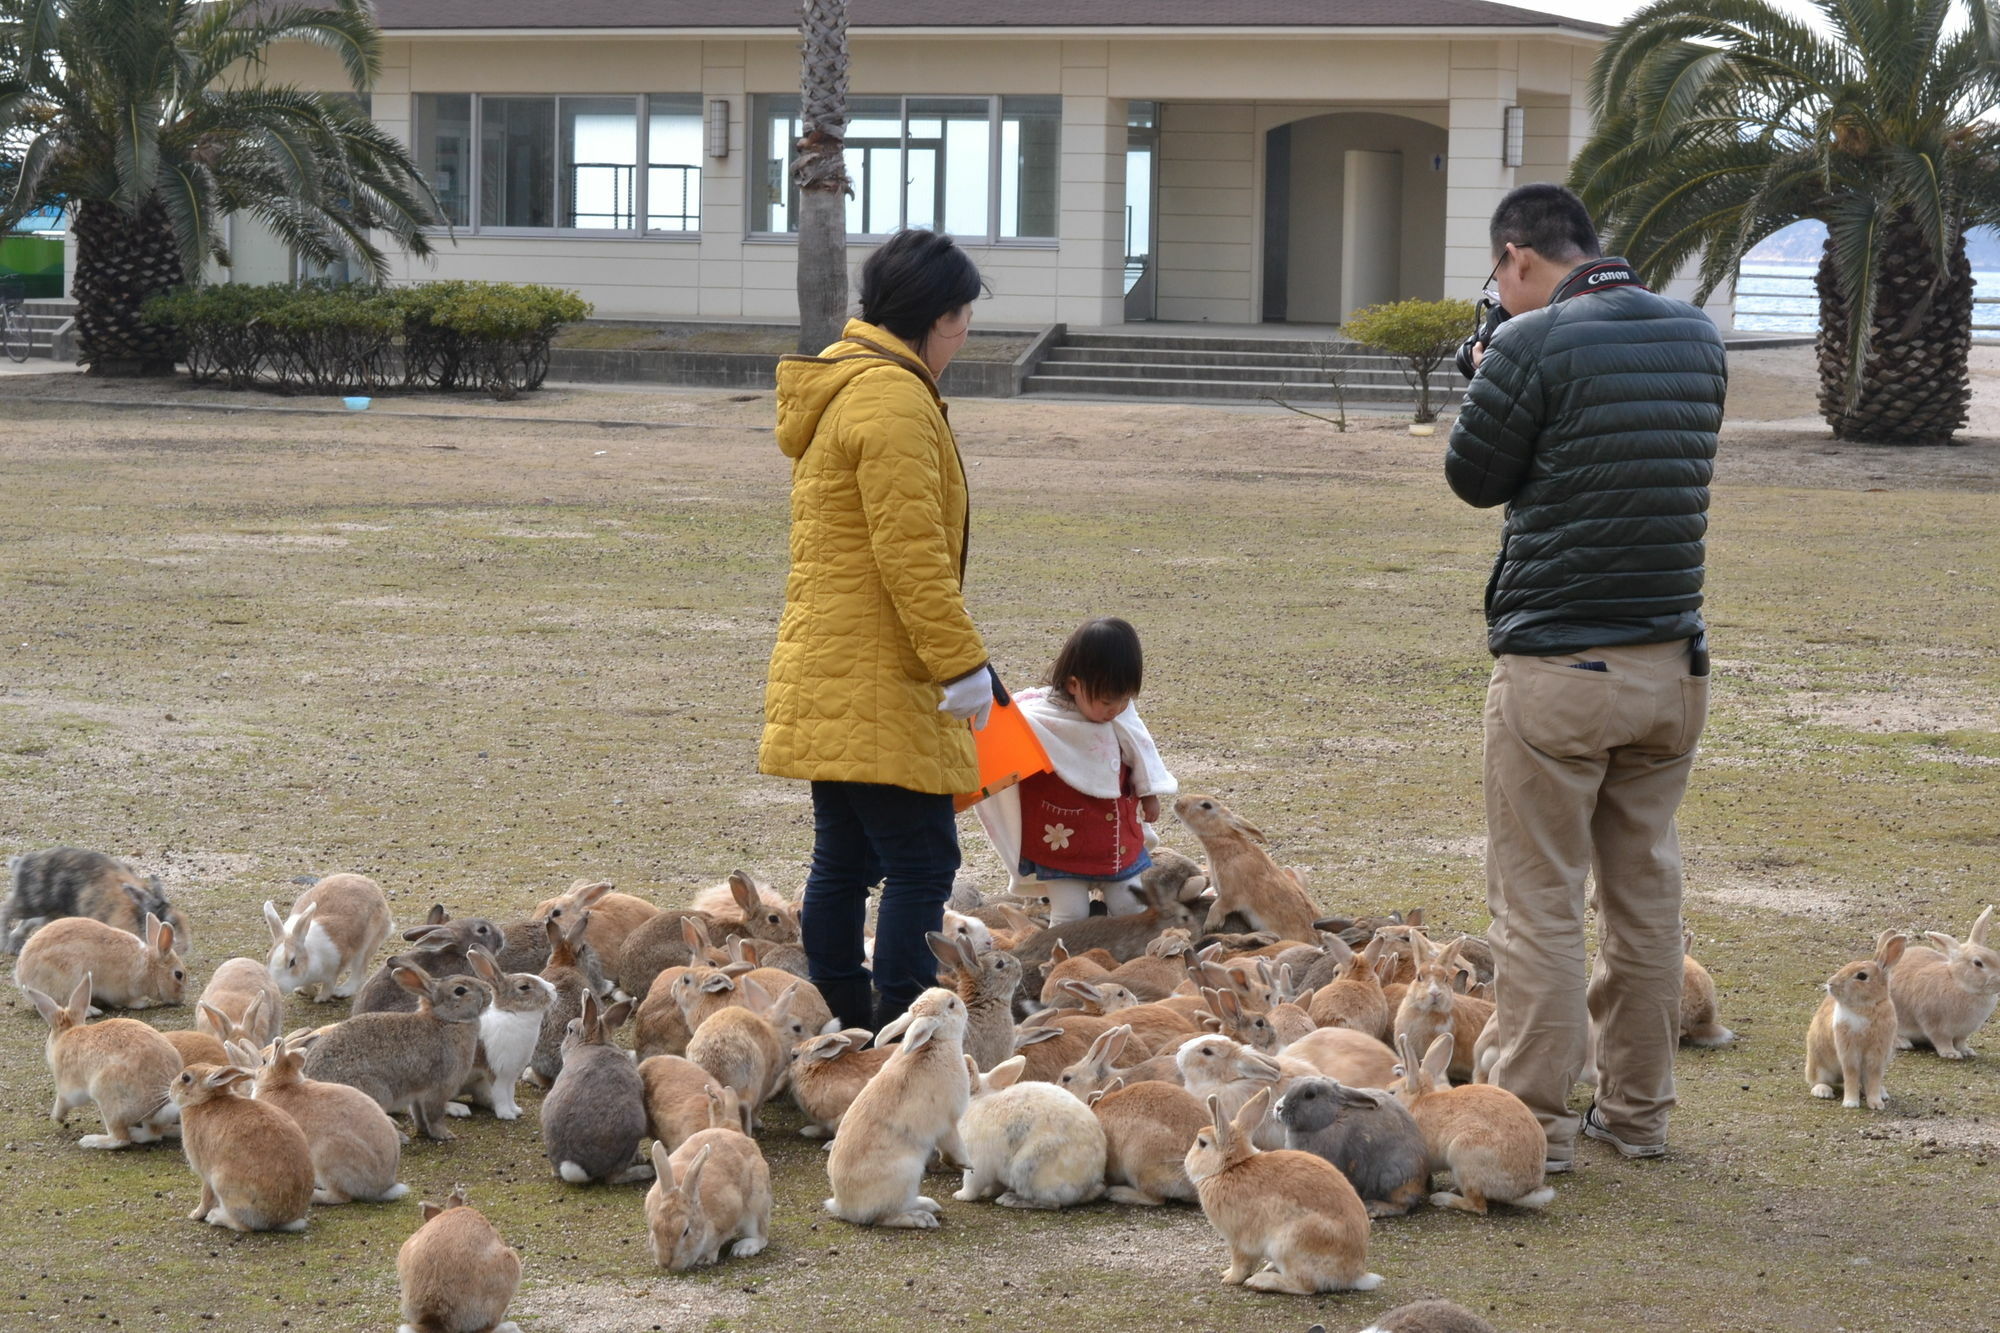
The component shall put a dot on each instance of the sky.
(1616, 11)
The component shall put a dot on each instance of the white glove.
(970, 696)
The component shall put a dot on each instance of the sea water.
(1779, 298)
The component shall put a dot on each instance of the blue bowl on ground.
(357, 404)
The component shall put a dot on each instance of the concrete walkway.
(37, 365)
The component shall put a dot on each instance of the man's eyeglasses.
(1491, 287)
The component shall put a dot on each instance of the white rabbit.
(1031, 1144)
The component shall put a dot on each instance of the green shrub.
(1421, 333)
(335, 338)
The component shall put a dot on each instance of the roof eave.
(1499, 31)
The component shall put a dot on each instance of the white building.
(1230, 161)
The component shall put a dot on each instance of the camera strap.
(1599, 275)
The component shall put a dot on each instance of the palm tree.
(820, 171)
(1721, 121)
(148, 120)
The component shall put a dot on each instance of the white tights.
(1069, 899)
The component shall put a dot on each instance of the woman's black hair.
(1104, 657)
(914, 279)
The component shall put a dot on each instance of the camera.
(1491, 315)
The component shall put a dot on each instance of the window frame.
(991, 239)
(642, 104)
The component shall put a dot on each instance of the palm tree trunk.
(820, 171)
(1915, 387)
(120, 261)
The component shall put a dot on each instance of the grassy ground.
(476, 659)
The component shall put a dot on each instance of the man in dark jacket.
(1593, 418)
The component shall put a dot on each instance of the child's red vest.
(1085, 836)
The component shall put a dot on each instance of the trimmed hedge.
(326, 338)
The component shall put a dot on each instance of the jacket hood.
(807, 385)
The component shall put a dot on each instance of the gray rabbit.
(69, 881)
(595, 1116)
(410, 1062)
(1368, 1134)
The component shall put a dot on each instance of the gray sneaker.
(1593, 1126)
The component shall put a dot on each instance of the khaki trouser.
(1584, 770)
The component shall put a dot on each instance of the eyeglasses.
(1491, 287)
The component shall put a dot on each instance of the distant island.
(1801, 243)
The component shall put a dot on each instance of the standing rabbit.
(121, 1064)
(127, 971)
(1247, 880)
(1853, 1035)
(987, 982)
(354, 1146)
(1289, 1210)
(713, 1190)
(904, 1114)
(1148, 1129)
(1484, 1135)
(325, 942)
(595, 1114)
(509, 1031)
(1944, 996)
(1366, 1133)
(254, 1163)
(1028, 1145)
(409, 1062)
(457, 1274)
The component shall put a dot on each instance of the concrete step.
(1233, 389)
(1354, 377)
(1249, 360)
(1294, 346)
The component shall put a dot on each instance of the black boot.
(887, 1011)
(852, 1002)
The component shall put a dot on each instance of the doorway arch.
(1354, 213)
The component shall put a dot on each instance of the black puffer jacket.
(1594, 420)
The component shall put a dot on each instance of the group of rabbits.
(1294, 1075)
(1902, 995)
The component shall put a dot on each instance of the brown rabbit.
(613, 916)
(1161, 970)
(457, 1274)
(253, 1160)
(126, 971)
(121, 1064)
(1942, 996)
(1098, 1067)
(354, 1146)
(1247, 880)
(1853, 1035)
(1148, 1129)
(1123, 937)
(740, 1047)
(1353, 999)
(987, 982)
(1054, 1041)
(1485, 1136)
(680, 1096)
(829, 1072)
(1288, 1209)
(241, 1000)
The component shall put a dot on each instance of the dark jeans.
(866, 833)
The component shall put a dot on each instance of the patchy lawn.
(478, 657)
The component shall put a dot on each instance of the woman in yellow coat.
(878, 668)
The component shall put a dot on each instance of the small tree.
(1420, 333)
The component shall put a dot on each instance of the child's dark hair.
(914, 279)
(1103, 654)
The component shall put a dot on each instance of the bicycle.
(14, 319)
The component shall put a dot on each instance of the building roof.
(711, 15)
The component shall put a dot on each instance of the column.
(1482, 87)
(1090, 271)
(723, 193)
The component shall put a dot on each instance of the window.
(569, 164)
(673, 164)
(982, 168)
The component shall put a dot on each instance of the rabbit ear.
(780, 1012)
(483, 966)
(1083, 990)
(972, 1070)
(1414, 917)
(1118, 1038)
(413, 979)
(1945, 943)
(755, 998)
(274, 921)
(1030, 1036)
(663, 1170)
(894, 1028)
(942, 948)
(614, 1017)
(1058, 952)
(437, 916)
(583, 895)
(1977, 935)
(1243, 826)
(1888, 952)
(215, 1016)
(1438, 1058)
(718, 982)
(430, 1210)
(690, 1184)
(1005, 1074)
(919, 1033)
(1219, 1121)
(743, 891)
(968, 956)
(44, 1005)
(1253, 1113)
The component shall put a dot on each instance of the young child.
(1085, 825)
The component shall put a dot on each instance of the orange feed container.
(1008, 752)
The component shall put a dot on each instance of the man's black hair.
(1547, 219)
(914, 279)
(1104, 657)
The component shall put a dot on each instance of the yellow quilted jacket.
(874, 614)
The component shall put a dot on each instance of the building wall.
(1318, 150)
(1219, 98)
